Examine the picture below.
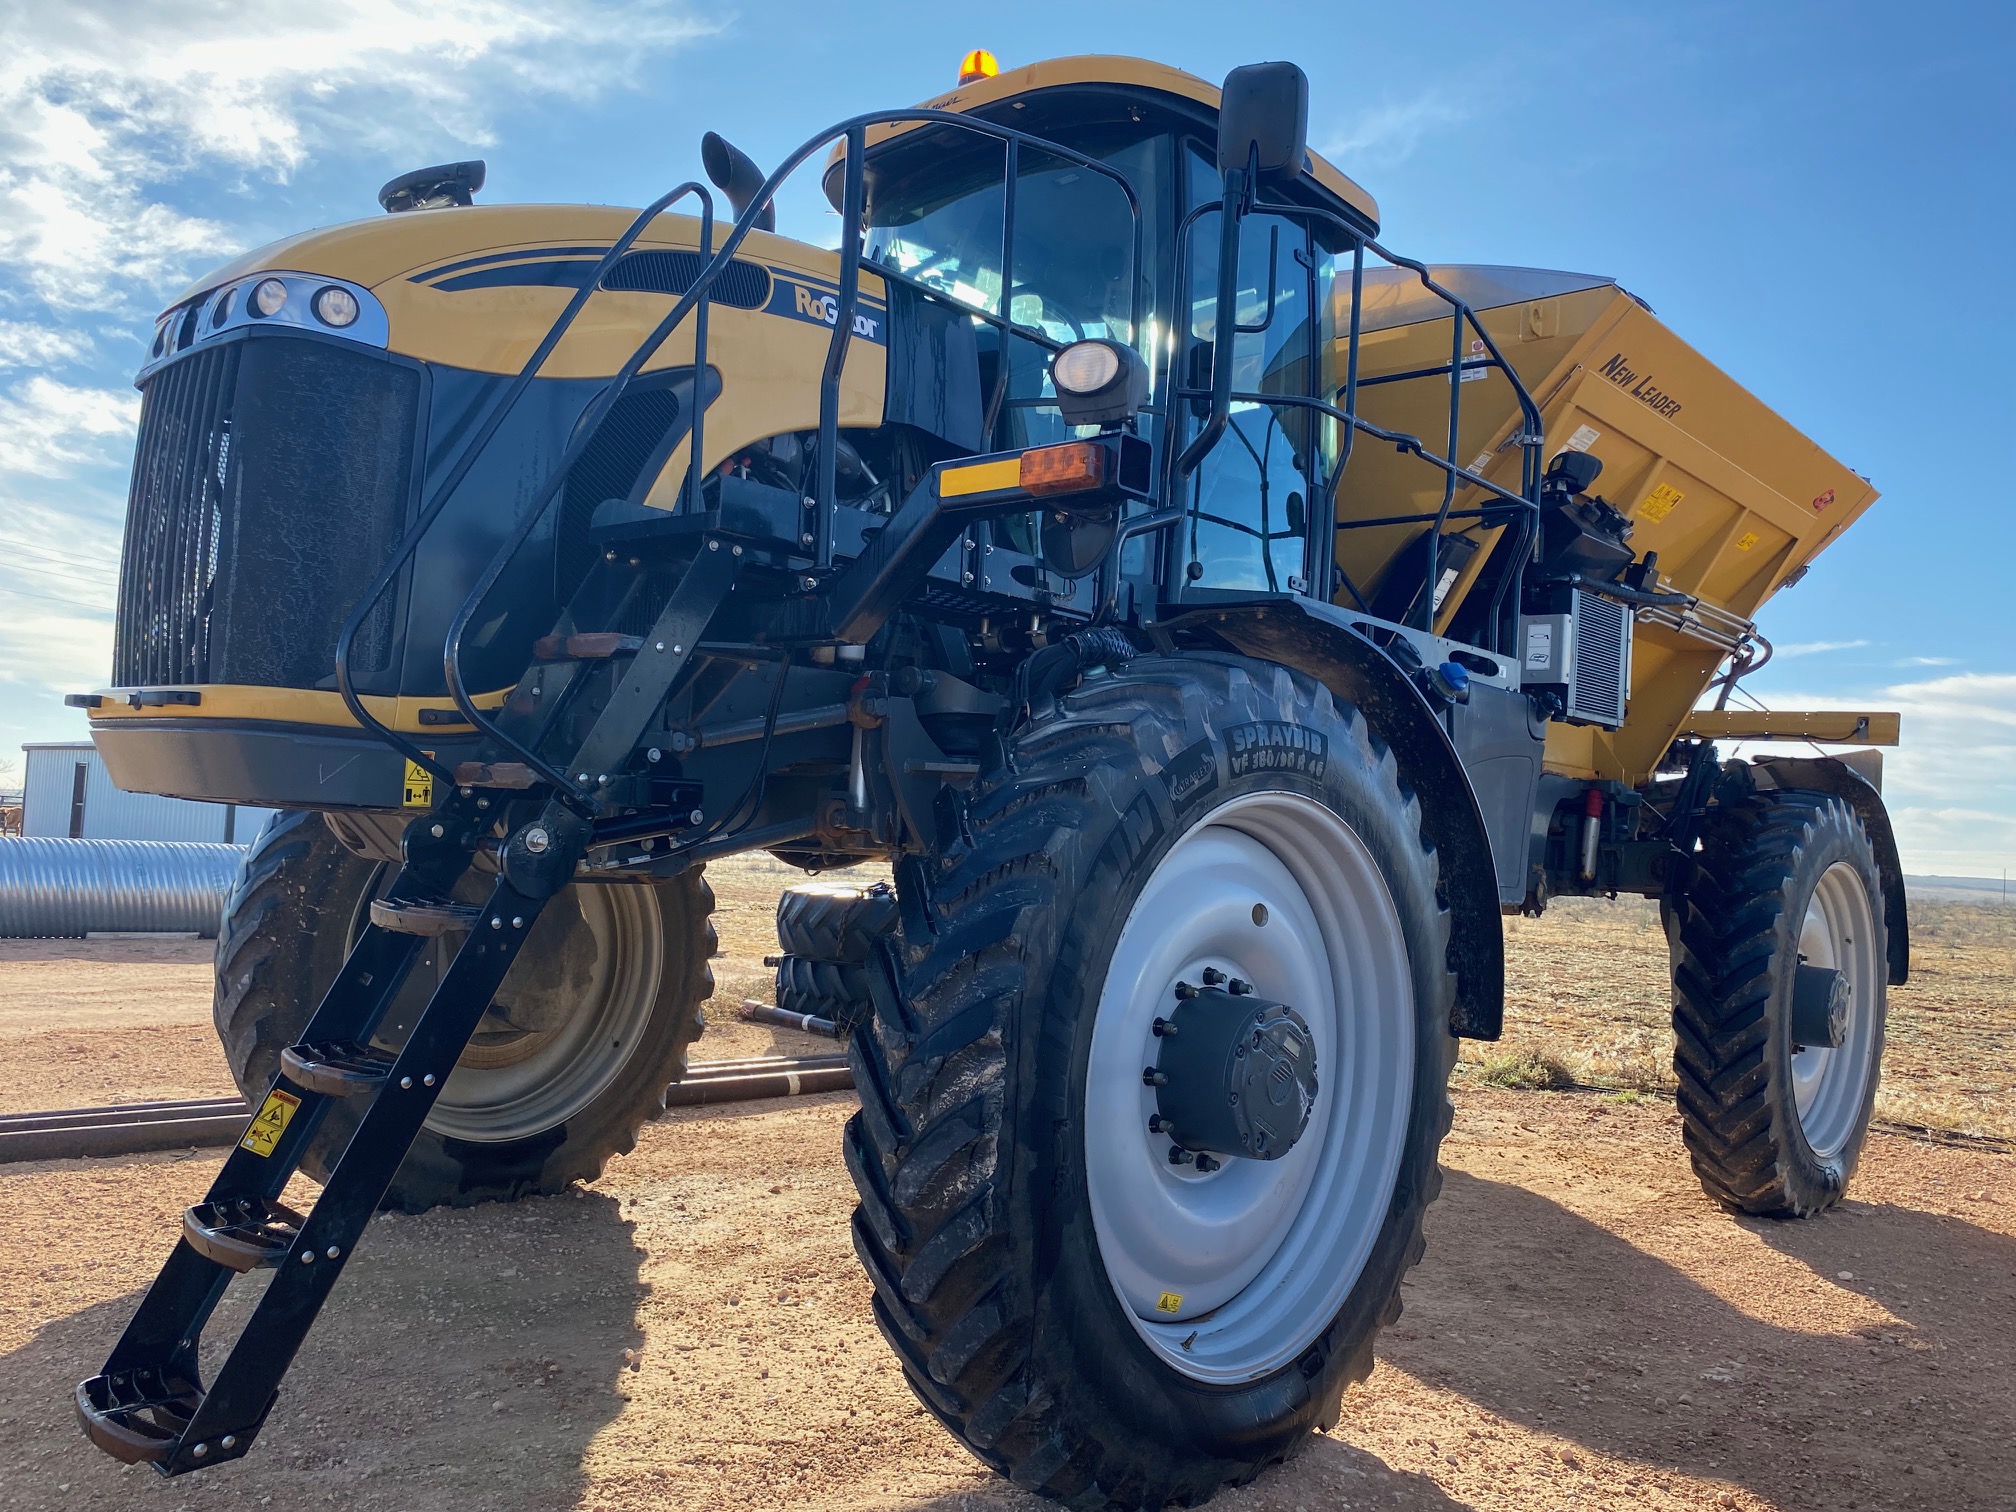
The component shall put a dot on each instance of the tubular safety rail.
(694, 301)
(1320, 550)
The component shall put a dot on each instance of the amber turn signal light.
(1070, 468)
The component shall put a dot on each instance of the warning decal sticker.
(274, 1114)
(1660, 502)
(1170, 1302)
(419, 787)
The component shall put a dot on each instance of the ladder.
(150, 1403)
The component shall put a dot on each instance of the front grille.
(272, 478)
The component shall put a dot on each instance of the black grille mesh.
(743, 285)
(272, 479)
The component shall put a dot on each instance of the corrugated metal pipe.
(71, 888)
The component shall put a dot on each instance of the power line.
(48, 598)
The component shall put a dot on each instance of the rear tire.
(834, 921)
(639, 961)
(993, 1218)
(1774, 1128)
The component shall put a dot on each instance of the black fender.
(1300, 635)
(1830, 774)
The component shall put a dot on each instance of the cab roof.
(1121, 73)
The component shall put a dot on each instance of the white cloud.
(104, 105)
(24, 344)
(1927, 661)
(1815, 648)
(1388, 133)
(49, 428)
(1951, 784)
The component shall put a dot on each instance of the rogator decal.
(1272, 745)
(1640, 386)
(791, 295)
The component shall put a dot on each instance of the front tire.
(1783, 881)
(1202, 812)
(591, 1025)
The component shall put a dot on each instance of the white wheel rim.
(1829, 1086)
(1258, 1255)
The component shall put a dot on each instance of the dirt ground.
(693, 1332)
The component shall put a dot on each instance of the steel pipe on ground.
(71, 888)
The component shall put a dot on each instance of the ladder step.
(137, 1415)
(424, 918)
(594, 645)
(493, 774)
(338, 1069)
(242, 1233)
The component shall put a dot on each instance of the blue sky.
(1817, 196)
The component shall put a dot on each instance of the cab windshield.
(936, 213)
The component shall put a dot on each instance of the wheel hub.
(1820, 1004)
(1235, 1074)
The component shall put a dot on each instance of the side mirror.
(1263, 113)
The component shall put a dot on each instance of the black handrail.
(853, 212)
(499, 409)
(1530, 437)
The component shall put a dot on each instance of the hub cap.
(566, 1020)
(1829, 1084)
(1231, 1271)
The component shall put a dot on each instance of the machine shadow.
(461, 1352)
(1545, 1319)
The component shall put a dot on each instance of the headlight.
(334, 306)
(269, 297)
(221, 310)
(1085, 367)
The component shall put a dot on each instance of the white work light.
(1099, 382)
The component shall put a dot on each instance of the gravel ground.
(1587, 1330)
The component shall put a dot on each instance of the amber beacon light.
(978, 64)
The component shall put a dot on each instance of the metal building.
(66, 792)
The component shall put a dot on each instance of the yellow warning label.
(271, 1123)
(419, 786)
(1746, 540)
(1660, 502)
(1170, 1302)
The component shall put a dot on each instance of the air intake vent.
(636, 433)
(744, 285)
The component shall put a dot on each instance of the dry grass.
(1586, 1002)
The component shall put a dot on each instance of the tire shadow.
(1898, 1395)
(466, 1359)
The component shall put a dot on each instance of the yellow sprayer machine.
(1216, 620)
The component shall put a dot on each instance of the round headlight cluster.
(1085, 367)
(334, 306)
(269, 297)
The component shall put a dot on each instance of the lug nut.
(1163, 1029)
(1238, 988)
(1185, 990)
(1178, 1155)
(1150, 1077)
(1207, 1163)
(1157, 1124)
(1213, 977)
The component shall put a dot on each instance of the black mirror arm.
(1238, 200)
